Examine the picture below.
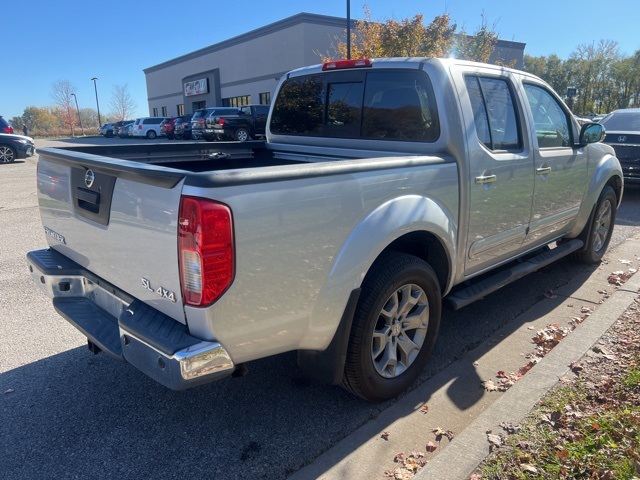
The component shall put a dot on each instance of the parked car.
(5, 127)
(623, 134)
(106, 130)
(249, 123)
(13, 147)
(167, 127)
(182, 126)
(148, 127)
(125, 130)
(199, 119)
(118, 125)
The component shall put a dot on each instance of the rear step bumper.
(125, 328)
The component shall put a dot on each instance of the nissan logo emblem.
(89, 178)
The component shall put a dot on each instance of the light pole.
(78, 110)
(348, 29)
(97, 104)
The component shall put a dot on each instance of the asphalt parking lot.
(66, 413)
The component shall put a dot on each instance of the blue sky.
(75, 40)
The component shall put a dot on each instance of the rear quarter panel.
(303, 245)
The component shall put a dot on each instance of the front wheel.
(599, 235)
(394, 327)
(7, 154)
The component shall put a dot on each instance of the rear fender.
(373, 234)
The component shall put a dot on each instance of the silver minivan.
(146, 127)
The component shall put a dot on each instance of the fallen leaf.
(489, 386)
(529, 468)
(385, 435)
(431, 447)
(425, 409)
(494, 440)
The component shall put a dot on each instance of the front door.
(561, 168)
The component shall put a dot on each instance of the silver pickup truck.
(384, 189)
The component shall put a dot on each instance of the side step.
(462, 298)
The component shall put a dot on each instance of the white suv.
(146, 127)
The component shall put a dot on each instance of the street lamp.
(97, 104)
(348, 29)
(78, 110)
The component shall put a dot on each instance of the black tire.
(109, 134)
(392, 280)
(7, 154)
(171, 136)
(242, 135)
(597, 233)
(151, 134)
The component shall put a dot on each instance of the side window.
(399, 106)
(494, 113)
(550, 119)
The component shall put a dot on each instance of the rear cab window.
(494, 113)
(377, 104)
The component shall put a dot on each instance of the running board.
(470, 294)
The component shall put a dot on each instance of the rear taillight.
(8, 129)
(223, 121)
(140, 127)
(205, 247)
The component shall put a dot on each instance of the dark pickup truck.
(249, 123)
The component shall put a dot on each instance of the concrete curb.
(468, 449)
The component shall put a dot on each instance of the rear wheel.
(394, 328)
(151, 134)
(599, 235)
(7, 154)
(242, 135)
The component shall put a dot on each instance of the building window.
(265, 98)
(180, 109)
(199, 105)
(164, 111)
(155, 112)
(236, 101)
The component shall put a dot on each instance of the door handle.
(484, 179)
(543, 171)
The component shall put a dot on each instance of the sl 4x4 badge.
(163, 292)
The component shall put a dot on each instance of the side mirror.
(592, 133)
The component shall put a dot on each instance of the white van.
(146, 127)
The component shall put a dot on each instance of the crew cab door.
(501, 173)
(561, 167)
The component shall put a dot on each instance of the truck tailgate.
(117, 219)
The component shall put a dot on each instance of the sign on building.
(196, 87)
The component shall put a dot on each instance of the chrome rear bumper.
(125, 328)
